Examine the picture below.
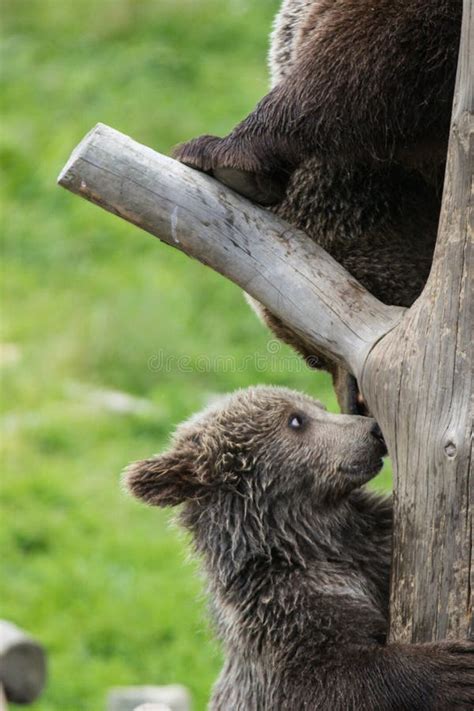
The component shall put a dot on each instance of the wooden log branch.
(279, 266)
(414, 367)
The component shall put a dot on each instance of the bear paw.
(456, 675)
(227, 160)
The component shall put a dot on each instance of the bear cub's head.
(262, 445)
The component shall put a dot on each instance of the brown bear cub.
(297, 555)
(350, 143)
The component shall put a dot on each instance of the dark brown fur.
(350, 143)
(297, 555)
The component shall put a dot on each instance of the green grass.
(90, 304)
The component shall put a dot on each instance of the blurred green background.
(95, 317)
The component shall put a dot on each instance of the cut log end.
(22, 665)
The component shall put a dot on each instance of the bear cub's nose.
(376, 432)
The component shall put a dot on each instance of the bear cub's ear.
(164, 480)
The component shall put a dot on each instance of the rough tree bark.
(419, 383)
(414, 367)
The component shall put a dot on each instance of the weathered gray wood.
(22, 664)
(418, 381)
(270, 260)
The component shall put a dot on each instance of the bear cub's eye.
(296, 421)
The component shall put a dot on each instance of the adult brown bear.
(350, 143)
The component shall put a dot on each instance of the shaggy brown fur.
(350, 143)
(297, 555)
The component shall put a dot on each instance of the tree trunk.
(414, 367)
(418, 381)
